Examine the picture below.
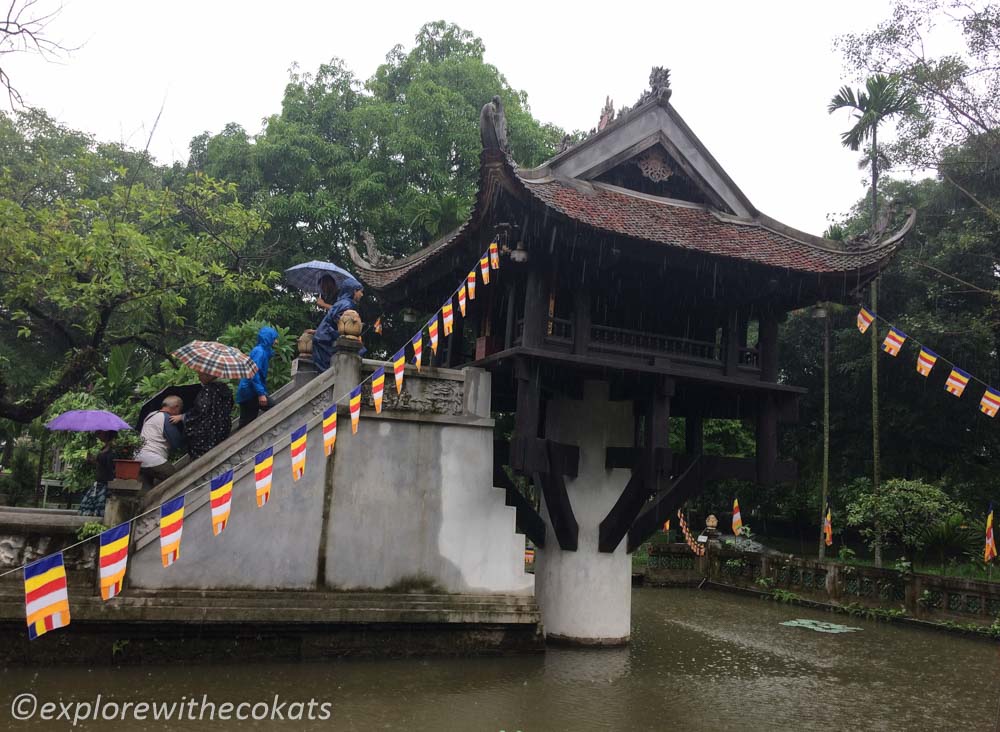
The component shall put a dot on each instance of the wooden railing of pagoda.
(560, 334)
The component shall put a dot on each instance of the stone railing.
(922, 596)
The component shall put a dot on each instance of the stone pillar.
(346, 364)
(123, 501)
(586, 595)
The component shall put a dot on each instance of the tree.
(93, 255)
(901, 513)
(882, 99)
(23, 30)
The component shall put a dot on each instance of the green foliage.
(846, 554)
(949, 540)
(885, 615)
(784, 596)
(764, 583)
(244, 337)
(89, 529)
(904, 508)
(19, 484)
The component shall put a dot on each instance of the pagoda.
(638, 283)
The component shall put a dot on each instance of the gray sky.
(752, 79)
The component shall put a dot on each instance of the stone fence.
(921, 596)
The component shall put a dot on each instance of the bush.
(904, 508)
(19, 484)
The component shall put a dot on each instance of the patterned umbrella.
(216, 359)
(87, 420)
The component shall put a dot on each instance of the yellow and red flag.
(432, 329)
(171, 529)
(398, 366)
(461, 300)
(828, 527)
(484, 269)
(298, 450)
(865, 318)
(418, 349)
(263, 467)
(448, 316)
(355, 409)
(470, 283)
(378, 325)
(893, 342)
(221, 499)
(957, 381)
(990, 551)
(329, 429)
(378, 387)
(737, 518)
(113, 558)
(494, 255)
(990, 402)
(46, 597)
(926, 361)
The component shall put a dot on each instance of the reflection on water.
(698, 660)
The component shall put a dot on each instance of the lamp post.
(822, 313)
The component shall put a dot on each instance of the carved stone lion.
(350, 325)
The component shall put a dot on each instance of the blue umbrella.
(88, 420)
(306, 276)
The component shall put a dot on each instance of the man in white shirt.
(160, 434)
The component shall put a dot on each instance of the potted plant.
(127, 444)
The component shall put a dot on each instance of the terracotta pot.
(127, 469)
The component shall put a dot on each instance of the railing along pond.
(924, 596)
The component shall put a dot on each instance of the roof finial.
(493, 126)
(607, 114)
(659, 86)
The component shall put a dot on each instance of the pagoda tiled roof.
(676, 225)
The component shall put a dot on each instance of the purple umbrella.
(88, 420)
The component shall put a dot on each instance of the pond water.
(698, 661)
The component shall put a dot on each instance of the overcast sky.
(752, 79)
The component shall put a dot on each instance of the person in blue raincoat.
(325, 337)
(251, 394)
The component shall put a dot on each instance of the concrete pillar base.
(586, 595)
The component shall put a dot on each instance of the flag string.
(286, 441)
(971, 376)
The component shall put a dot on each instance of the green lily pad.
(819, 626)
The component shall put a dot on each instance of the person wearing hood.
(325, 336)
(251, 394)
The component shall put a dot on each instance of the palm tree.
(882, 98)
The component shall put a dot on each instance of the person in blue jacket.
(251, 394)
(324, 341)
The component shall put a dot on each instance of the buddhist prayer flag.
(828, 527)
(737, 518)
(494, 255)
(263, 467)
(448, 315)
(529, 555)
(666, 526)
(989, 551)
(893, 342)
(329, 429)
(46, 600)
(171, 524)
(926, 361)
(418, 349)
(298, 450)
(957, 381)
(221, 498)
(355, 409)
(398, 366)
(378, 325)
(865, 318)
(112, 558)
(461, 300)
(378, 386)
(484, 270)
(432, 329)
(990, 402)
(470, 283)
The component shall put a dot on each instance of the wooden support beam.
(536, 307)
(528, 521)
(665, 504)
(557, 504)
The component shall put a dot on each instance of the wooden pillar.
(581, 321)
(528, 415)
(731, 342)
(511, 315)
(536, 308)
(767, 440)
(767, 347)
(694, 435)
